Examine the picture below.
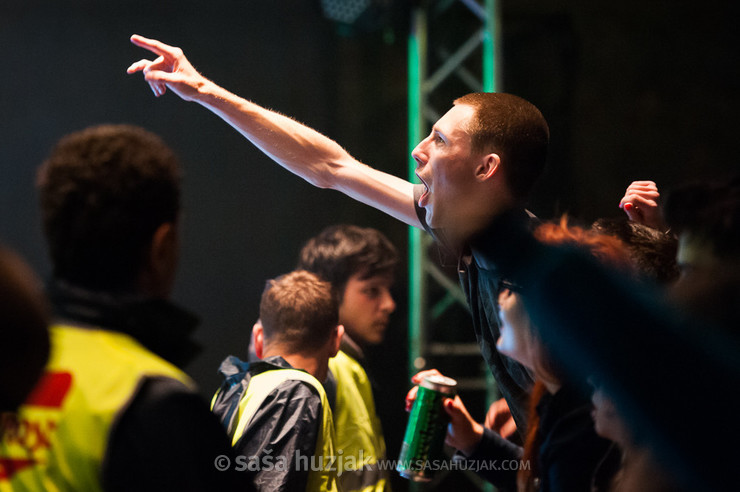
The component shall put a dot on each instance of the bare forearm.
(309, 154)
(296, 147)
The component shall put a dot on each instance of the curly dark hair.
(653, 252)
(104, 191)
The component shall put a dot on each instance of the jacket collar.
(351, 348)
(158, 324)
(237, 375)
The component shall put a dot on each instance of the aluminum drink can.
(426, 429)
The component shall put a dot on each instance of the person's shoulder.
(99, 344)
(166, 408)
(292, 383)
(161, 394)
(344, 364)
(163, 406)
(169, 436)
(572, 430)
(510, 223)
(285, 400)
(107, 364)
(302, 387)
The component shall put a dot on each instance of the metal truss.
(452, 50)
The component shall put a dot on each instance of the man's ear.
(162, 260)
(488, 166)
(336, 340)
(258, 336)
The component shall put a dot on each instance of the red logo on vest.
(50, 390)
(16, 429)
(9, 467)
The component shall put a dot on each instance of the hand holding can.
(426, 428)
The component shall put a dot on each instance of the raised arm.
(298, 148)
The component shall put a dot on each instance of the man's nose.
(419, 155)
(389, 304)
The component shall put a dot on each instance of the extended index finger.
(156, 47)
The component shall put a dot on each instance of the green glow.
(490, 45)
(419, 307)
(415, 249)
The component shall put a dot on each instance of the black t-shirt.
(481, 286)
(569, 450)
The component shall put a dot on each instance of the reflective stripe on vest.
(360, 440)
(260, 386)
(58, 438)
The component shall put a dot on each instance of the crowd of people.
(613, 344)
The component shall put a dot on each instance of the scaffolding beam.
(428, 80)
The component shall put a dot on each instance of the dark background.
(632, 90)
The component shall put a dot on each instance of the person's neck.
(551, 383)
(351, 348)
(478, 219)
(316, 366)
(552, 387)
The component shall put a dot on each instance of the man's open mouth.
(423, 199)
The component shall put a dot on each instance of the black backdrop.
(634, 90)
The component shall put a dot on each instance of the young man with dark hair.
(276, 410)
(465, 183)
(360, 263)
(114, 410)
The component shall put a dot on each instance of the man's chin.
(376, 339)
(435, 221)
(432, 220)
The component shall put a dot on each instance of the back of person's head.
(609, 251)
(606, 248)
(516, 130)
(299, 312)
(341, 251)
(23, 328)
(104, 191)
(708, 212)
(653, 252)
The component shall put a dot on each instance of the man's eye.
(372, 292)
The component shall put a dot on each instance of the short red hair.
(607, 249)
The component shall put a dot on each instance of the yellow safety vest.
(57, 440)
(320, 478)
(360, 443)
